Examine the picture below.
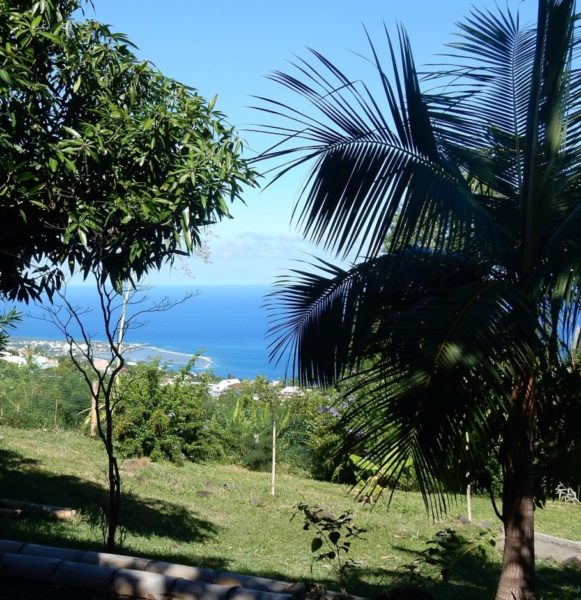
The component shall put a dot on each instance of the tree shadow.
(472, 576)
(558, 582)
(24, 479)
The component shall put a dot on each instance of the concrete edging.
(134, 577)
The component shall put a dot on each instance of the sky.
(227, 48)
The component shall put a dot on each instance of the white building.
(217, 389)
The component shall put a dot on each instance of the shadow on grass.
(559, 582)
(472, 576)
(471, 582)
(24, 479)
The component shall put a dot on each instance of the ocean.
(227, 325)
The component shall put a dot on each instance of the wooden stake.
(469, 503)
(273, 456)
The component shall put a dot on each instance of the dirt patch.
(135, 464)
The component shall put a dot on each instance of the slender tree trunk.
(114, 501)
(94, 400)
(114, 476)
(517, 580)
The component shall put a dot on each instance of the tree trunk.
(94, 400)
(517, 580)
(114, 501)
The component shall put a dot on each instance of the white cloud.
(253, 245)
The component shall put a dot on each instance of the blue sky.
(227, 48)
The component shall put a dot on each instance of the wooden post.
(469, 503)
(94, 394)
(468, 495)
(273, 457)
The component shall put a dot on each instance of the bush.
(35, 398)
(307, 438)
(162, 416)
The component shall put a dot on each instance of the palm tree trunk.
(517, 580)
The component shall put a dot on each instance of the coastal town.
(45, 354)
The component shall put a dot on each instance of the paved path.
(560, 550)
(557, 549)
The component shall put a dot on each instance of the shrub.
(35, 398)
(162, 416)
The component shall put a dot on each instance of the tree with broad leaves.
(107, 168)
(453, 326)
(103, 160)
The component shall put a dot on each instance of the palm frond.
(452, 358)
(372, 172)
(488, 83)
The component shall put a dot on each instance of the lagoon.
(226, 324)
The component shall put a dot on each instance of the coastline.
(226, 324)
(133, 352)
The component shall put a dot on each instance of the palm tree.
(465, 204)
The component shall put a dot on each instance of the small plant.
(332, 540)
(445, 552)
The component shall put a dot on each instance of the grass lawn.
(236, 525)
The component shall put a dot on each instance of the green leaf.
(72, 132)
(212, 103)
(316, 543)
(77, 84)
(334, 537)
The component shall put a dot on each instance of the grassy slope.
(239, 526)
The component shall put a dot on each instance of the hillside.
(224, 517)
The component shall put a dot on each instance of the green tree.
(475, 185)
(161, 415)
(104, 160)
(107, 168)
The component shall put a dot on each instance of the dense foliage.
(103, 159)
(31, 397)
(171, 415)
(161, 417)
(242, 422)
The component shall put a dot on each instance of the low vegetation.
(223, 516)
(170, 415)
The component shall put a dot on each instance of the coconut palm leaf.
(365, 172)
(462, 313)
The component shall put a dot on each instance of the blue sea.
(227, 325)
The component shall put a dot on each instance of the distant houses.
(217, 389)
(225, 385)
(23, 356)
(41, 362)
